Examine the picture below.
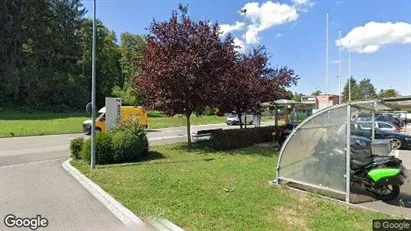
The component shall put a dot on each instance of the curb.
(122, 213)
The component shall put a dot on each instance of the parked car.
(399, 140)
(286, 131)
(381, 117)
(390, 119)
(233, 119)
(385, 126)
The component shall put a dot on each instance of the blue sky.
(294, 32)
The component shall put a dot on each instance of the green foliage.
(209, 111)
(76, 146)
(388, 93)
(127, 146)
(241, 138)
(132, 126)
(316, 93)
(127, 95)
(104, 149)
(363, 90)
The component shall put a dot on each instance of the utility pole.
(93, 92)
(339, 70)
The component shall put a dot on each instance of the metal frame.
(371, 105)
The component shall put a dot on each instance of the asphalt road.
(32, 181)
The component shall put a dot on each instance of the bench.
(205, 133)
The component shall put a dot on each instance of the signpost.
(113, 112)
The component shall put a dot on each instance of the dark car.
(399, 140)
(286, 131)
(390, 119)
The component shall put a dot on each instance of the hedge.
(241, 138)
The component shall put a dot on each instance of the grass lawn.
(208, 190)
(17, 123)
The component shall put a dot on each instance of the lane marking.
(34, 162)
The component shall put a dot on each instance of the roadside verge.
(122, 213)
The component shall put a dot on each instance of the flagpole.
(349, 71)
(326, 65)
(339, 70)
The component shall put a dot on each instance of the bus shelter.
(316, 155)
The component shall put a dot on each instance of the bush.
(75, 147)
(241, 138)
(104, 149)
(130, 125)
(209, 111)
(127, 146)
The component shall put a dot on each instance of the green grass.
(18, 123)
(207, 190)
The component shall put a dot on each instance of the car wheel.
(396, 143)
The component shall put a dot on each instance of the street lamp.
(244, 11)
(93, 92)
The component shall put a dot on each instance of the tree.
(316, 93)
(108, 70)
(252, 81)
(183, 63)
(364, 90)
(297, 96)
(388, 93)
(131, 49)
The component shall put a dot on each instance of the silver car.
(382, 125)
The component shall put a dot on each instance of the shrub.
(104, 149)
(241, 138)
(130, 125)
(209, 111)
(75, 147)
(128, 146)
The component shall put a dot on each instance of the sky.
(376, 34)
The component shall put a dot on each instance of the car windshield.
(232, 116)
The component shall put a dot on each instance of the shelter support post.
(373, 125)
(348, 156)
(276, 115)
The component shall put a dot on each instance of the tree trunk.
(239, 119)
(188, 131)
(245, 120)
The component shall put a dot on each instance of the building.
(323, 102)
(320, 101)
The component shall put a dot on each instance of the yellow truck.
(127, 113)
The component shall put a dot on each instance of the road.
(32, 181)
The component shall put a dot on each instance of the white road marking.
(166, 137)
(34, 162)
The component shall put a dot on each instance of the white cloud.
(279, 35)
(373, 35)
(240, 44)
(300, 2)
(265, 16)
(260, 17)
(334, 62)
(226, 28)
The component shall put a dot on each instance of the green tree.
(388, 93)
(317, 92)
(108, 70)
(297, 96)
(363, 90)
(131, 49)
